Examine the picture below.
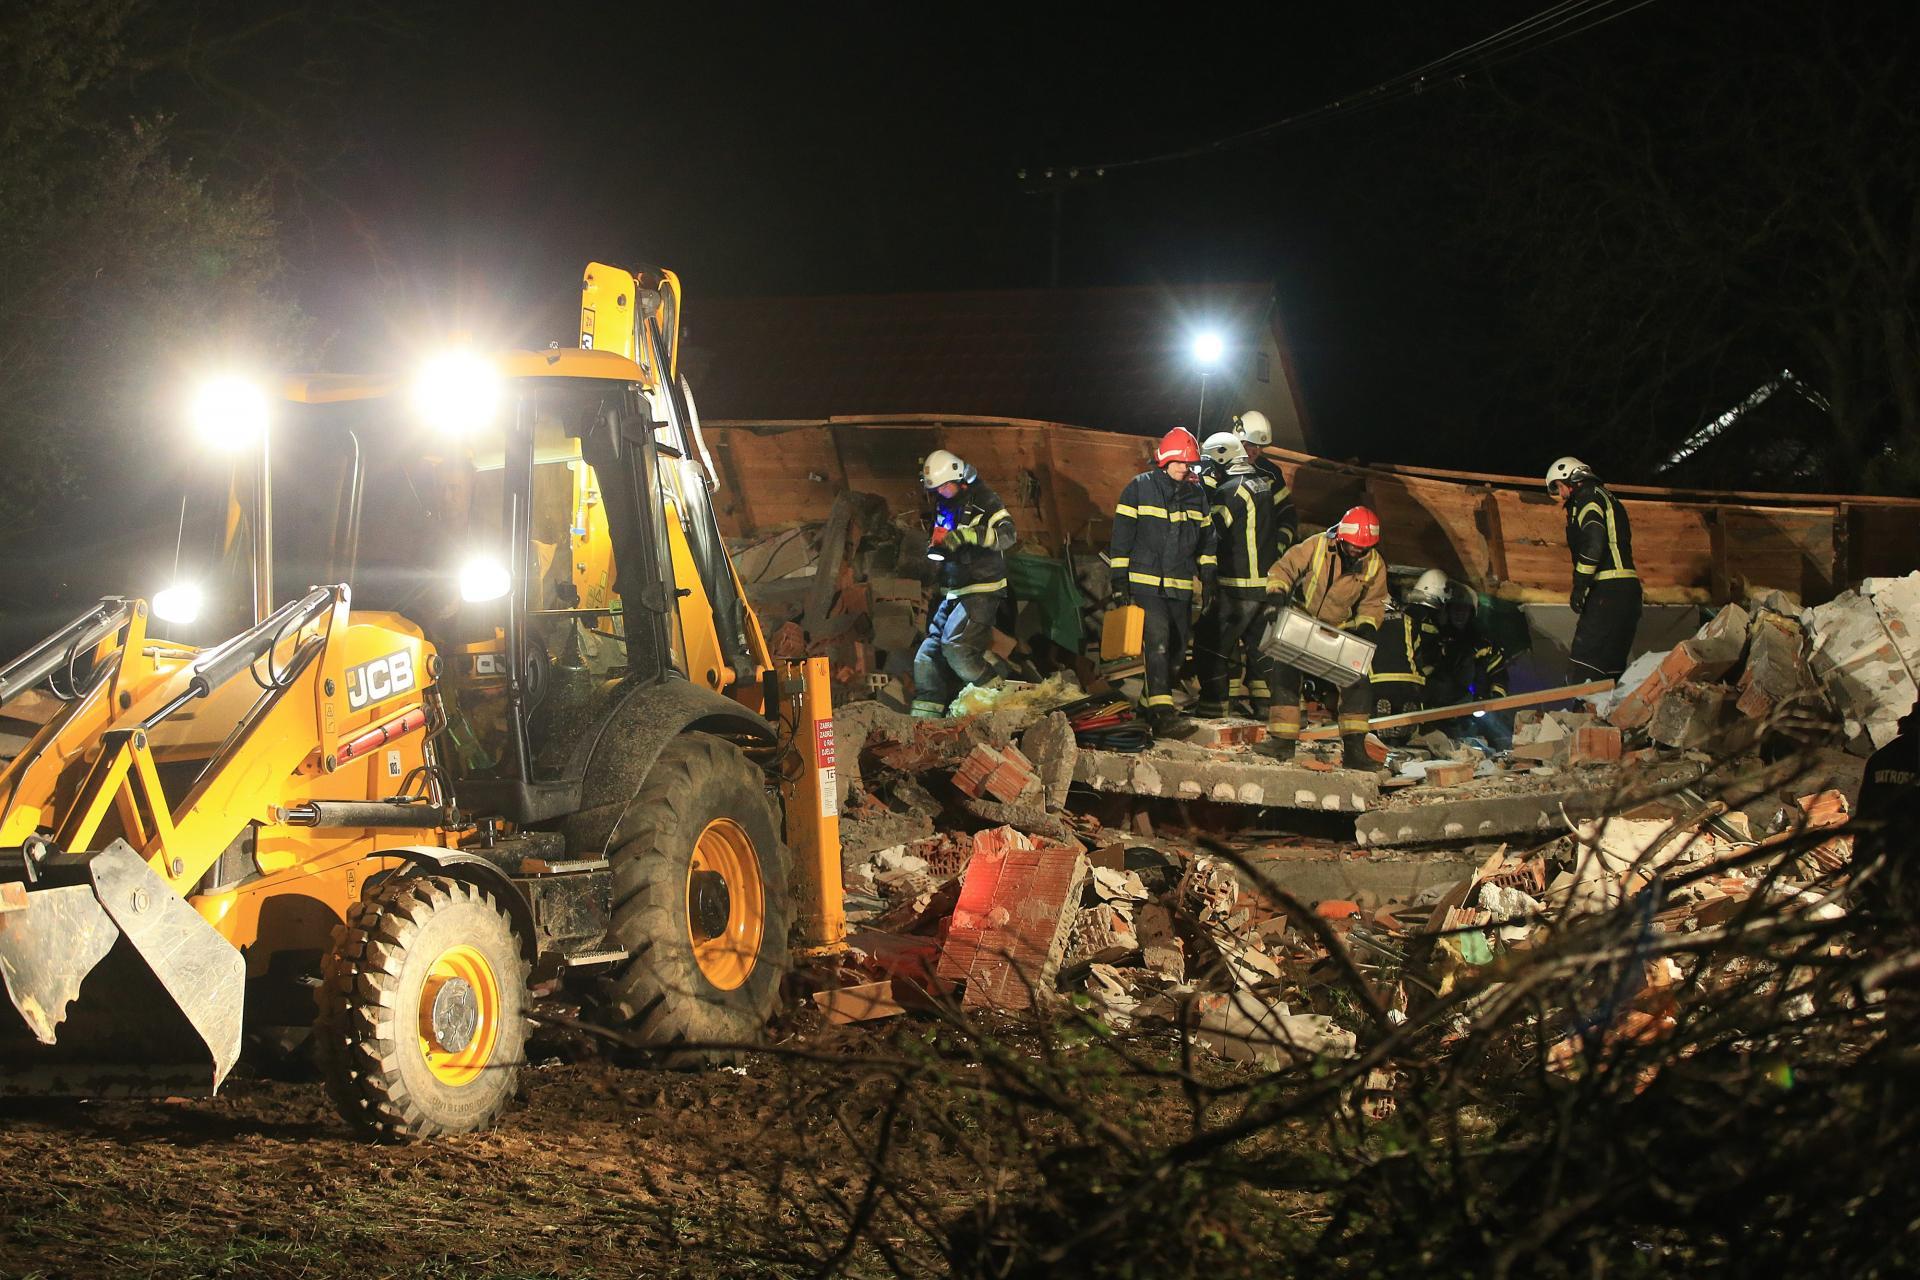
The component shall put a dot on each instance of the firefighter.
(972, 533)
(1410, 651)
(1606, 588)
(1227, 639)
(1339, 578)
(1256, 433)
(1162, 556)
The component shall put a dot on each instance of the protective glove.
(1578, 600)
(1365, 630)
(967, 536)
(1122, 596)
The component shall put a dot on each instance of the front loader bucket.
(121, 988)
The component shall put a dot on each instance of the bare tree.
(1726, 193)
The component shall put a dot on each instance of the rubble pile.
(979, 871)
(857, 588)
(1749, 674)
(852, 588)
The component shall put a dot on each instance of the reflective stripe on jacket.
(1243, 510)
(1312, 575)
(1163, 537)
(1599, 535)
(980, 534)
(1409, 649)
(1286, 519)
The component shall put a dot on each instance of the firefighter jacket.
(972, 533)
(1163, 539)
(1409, 648)
(1472, 651)
(1248, 533)
(1286, 519)
(1600, 539)
(1313, 577)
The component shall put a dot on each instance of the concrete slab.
(1478, 818)
(1241, 778)
(1513, 806)
(1381, 877)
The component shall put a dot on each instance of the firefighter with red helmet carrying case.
(1163, 556)
(1339, 578)
(971, 534)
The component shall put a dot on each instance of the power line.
(1549, 27)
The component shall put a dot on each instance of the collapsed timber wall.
(1501, 533)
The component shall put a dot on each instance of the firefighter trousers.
(1226, 650)
(1604, 635)
(1284, 717)
(957, 651)
(1169, 622)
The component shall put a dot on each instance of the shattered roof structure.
(1118, 359)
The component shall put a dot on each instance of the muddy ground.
(600, 1170)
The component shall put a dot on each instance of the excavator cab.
(451, 685)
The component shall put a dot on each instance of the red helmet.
(1358, 528)
(1178, 445)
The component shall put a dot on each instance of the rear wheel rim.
(459, 1015)
(726, 904)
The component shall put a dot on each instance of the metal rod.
(263, 531)
(84, 632)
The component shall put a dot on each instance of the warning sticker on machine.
(823, 761)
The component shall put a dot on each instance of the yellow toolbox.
(1121, 634)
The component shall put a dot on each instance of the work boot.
(1353, 754)
(1280, 749)
(1205, 710)
(1168, 723)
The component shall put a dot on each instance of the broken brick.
(1218, 734)
(1450, 773)
(1010, 928)
(1101, 935)
(1595, 744)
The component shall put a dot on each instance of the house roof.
(1114, 358)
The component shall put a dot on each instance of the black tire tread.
(657, 993)
(357, 1043)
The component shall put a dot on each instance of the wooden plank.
(1512, 701)
(1495, 534)
(1648, 490)
(862, 1003)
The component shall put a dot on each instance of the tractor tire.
(422, 1027)
(700, 905)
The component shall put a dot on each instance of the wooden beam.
(1511, 702)
(1712, 497)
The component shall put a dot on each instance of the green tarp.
(1049, 584)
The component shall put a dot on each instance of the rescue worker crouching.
(1162, 555)
(971, 534)
(1338, 578)
(1410, 650)
(1227, 639)
(1473, 668)
(1606, 586)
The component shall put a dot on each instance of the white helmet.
(1224, 448)
(1253, 427)
(1567, 470)
(1431, 589)
(941, 467)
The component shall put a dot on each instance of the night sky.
(863, 148)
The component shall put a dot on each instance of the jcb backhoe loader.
(525, 728)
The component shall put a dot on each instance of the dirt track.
(600, 1171)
